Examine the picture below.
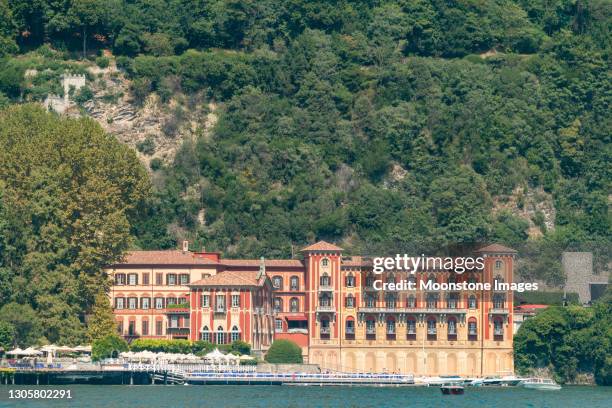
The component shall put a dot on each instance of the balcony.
(370, 334)
(177, 330)
(499, 310)
(411, 336)
(390, 336)
(220, 309)
(326, 309)
(452, 337)
(325, 333)
(472, 337)
(350, 334)
(326, 288)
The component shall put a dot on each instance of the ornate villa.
(324, 302)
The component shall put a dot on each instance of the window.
(391, 279)
(205, 300)
(170, 301)
(205, 334)
(235, 334)
(498, 329)
(145, 303)
(294, 305)
(145, 328)
(432, 301)
(132, 303)
(498, 264)
(278, 325)
(350, 281)
(120, 327)
(472, 330)
(412, 279)
(184, 279)
(132, 279)
(452, 279)
(171, 279)
(220, 304)
(472, 303)
(390, 301)
(349, 301)
(145, 278)
(498, 301)
(235, 300)
(277, 282)
(159, 303)
(159, 326)
(369, 281)
(453, 299)
(370, 301)
(411, 329)
(370, 329)
(278, 304)
(325, 300)
(119, 303)
(452, 330)
(472, 279)
(295, 283)
(131, 328)
(325, 330)
(390, 328)
(350, 329)
(411, 301)
(220, 335)
(431, 279)
(325, 280)
(431, 329)
(325, 262)
(119, 279)
(159, 279)
(173, 322)
(182, 300)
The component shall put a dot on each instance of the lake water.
(152, 396)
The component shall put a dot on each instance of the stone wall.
(578, 268)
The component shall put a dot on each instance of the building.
(326, 303)
(525, 312)
(580, 277)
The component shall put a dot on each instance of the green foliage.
(147, 146)
(102, 321)
(83, 95)
(68, 193)
(108, 347)
(7, 335)
(568, 340)
(185, 346)
(284, 351)
(103, 62)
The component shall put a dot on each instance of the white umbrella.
(215, 355)
(16, 352)
(31, 351)
(84, 349)
(245, 357)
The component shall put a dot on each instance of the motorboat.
(452, 389)
(505, 381)
(540, 384)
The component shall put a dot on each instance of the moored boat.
(541, 384)
(451, 389)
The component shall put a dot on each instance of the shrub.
(108, 347)
(156, 164)
(284, 351)
(102, 62)
(147, 146)
(83, 95)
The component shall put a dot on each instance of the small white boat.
(541, 384)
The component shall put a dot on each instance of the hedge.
(284, 351)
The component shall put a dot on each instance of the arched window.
(452, 278)
(498, 329)
(235, 333)
(498, 301)
(499, 264)
(205, 334)
(431, 278)
(453, 299)
(295, 283)
(349, 301)
(220, 335)
(324, 262)
(390, 300)
(278, 304)
(390, 328)
(472, 329)
(391, 279)
(411, 328)
(325, 300)
(277, 282)
(325, 281)
(370, 301)
(370, 328)
(472, 279)
(369, 281)
(294, 305)
(432, 331)
(411, 302)
(452, 329)
(472, 302)
(325, 329)
(432, 301)
(350, 281)
(349, 329)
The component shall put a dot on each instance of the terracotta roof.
(231, 278)
(497, 248)
(172, 257)
(356, 261)
(268, 262)
(322, 246)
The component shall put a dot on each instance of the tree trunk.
(84, 42)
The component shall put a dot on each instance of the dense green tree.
(109, 346)
(102, 322)
(284, 352)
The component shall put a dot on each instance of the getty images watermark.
(459, 265)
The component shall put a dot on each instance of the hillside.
(383, 126)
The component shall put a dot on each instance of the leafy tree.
(284, 352)
(102, 321)
(7, 333)
(108, 347)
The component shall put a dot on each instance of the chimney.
(185, 246)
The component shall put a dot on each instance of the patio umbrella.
(15, 352)
(31, 351)
(83, 349)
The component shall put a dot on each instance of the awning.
(296, 317)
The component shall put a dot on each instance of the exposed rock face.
(530, 205)
(166, 125)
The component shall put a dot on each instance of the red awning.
(296, 317)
